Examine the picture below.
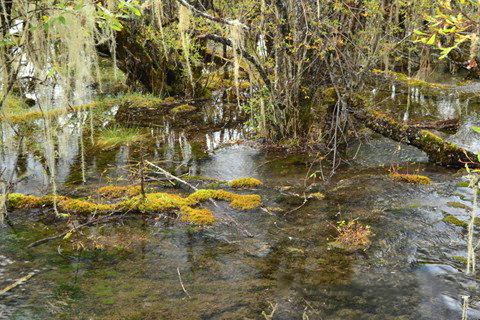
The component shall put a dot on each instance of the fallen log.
(438, 150)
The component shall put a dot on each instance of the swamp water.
(157, 268)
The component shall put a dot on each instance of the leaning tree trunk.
(438, 150)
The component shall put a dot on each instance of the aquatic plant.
(454, 220)
(116, 136)
(410, 178)
(245, 183)
(352, 235)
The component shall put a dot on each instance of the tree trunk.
(438, 150)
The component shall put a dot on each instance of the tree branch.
(209, 17)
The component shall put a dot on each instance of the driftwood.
(438, 150)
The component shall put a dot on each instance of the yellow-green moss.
(435, 140)
(77, 206)
(454, 220)
(317, 195)
(245, 183)
(154, 202)
(460, 259)
(237, 201)
(246, 202)
(22, 115)
(119, 191)
(411, 178)
(151, 203)
(197, 216)
(184, 108)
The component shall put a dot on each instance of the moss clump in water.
(245, 183)
(154, 202)
(116, 136)
(317, 196)
(463, 184)
(237, 201)
(411, 178)
(65, 204)
(454, 220)
(458, 205)
(112, 192)
(460, 259)
(184, 108)
(197, 216)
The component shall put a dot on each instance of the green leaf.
(420, 33)
(431, 40)
(61, 19)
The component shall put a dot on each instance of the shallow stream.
(157, 268)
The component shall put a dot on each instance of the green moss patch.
(411, 178)
(245, 183)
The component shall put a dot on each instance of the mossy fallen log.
(438, 150)
(149, 203)
(178, 113)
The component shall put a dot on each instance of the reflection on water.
(409, 272)
(25, 152)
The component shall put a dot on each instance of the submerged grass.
(117, 136)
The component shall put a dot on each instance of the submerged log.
(438, 150)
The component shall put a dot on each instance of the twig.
(181, 283)
(305, 200)
(16, 283)
(171, 176)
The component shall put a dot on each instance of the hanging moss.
(245, 183)
(411, 178)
